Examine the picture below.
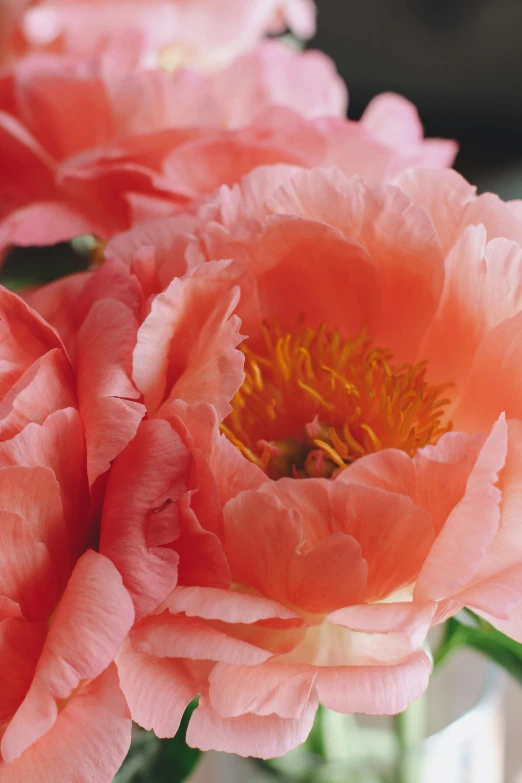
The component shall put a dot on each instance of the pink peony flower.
(88, 148)
(64, 611)
(205, 33)
(347, 391)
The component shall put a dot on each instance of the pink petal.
(45, 223)
(230, 606)
(176, 636)
(105, 391)
(482, 288)
(413, 619)
(140, 516)
(87, 743)
(470, 526)
(186, 346)
(494, 379)
(92, 619)
(399, 238)
(201, 557)
(263, 736)
(267, 689)
(374, 690)
(20, 646)
(157, 690)
(264, 546)
(45, 387)
(58, 444)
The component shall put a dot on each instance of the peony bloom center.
(313, 402)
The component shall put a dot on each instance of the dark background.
(459, 61)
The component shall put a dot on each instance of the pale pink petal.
(275, 74)
(470, 527)
(263, 736)
(412, 618)
(176, 636)
(229, 606)
(92, 619)
(270, 688)
(374, 690)
(87, 743)
(393, 119)
(140, 517)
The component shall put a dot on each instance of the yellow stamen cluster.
(313, 402)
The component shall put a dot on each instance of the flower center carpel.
(313, 402)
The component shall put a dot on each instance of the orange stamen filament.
(313, 402)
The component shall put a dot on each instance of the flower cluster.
(272, 436)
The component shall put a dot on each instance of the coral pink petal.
(505, 550)
(314, 261)
(87, 743)
(28, 575)
(445, 571)
(201, 557)
(270, 688)
(394, 534)
(263, 736)
(435, 479)
(93, 617)
(176, 636)
(140, 517)
(33, 495)
(229, 472)
(482, 288)
(106, 394)
(311, 579)
(24, 337)
(20, 646)
(186, 345)
(494, 379)
(374, 690)
(58, 444)
(168, 237)
(399, 238)
(45, 387)
(157, 690)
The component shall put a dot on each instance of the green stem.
(410, 731)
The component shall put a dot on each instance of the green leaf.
(30, 266)
(153, 760)
(468, 630)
